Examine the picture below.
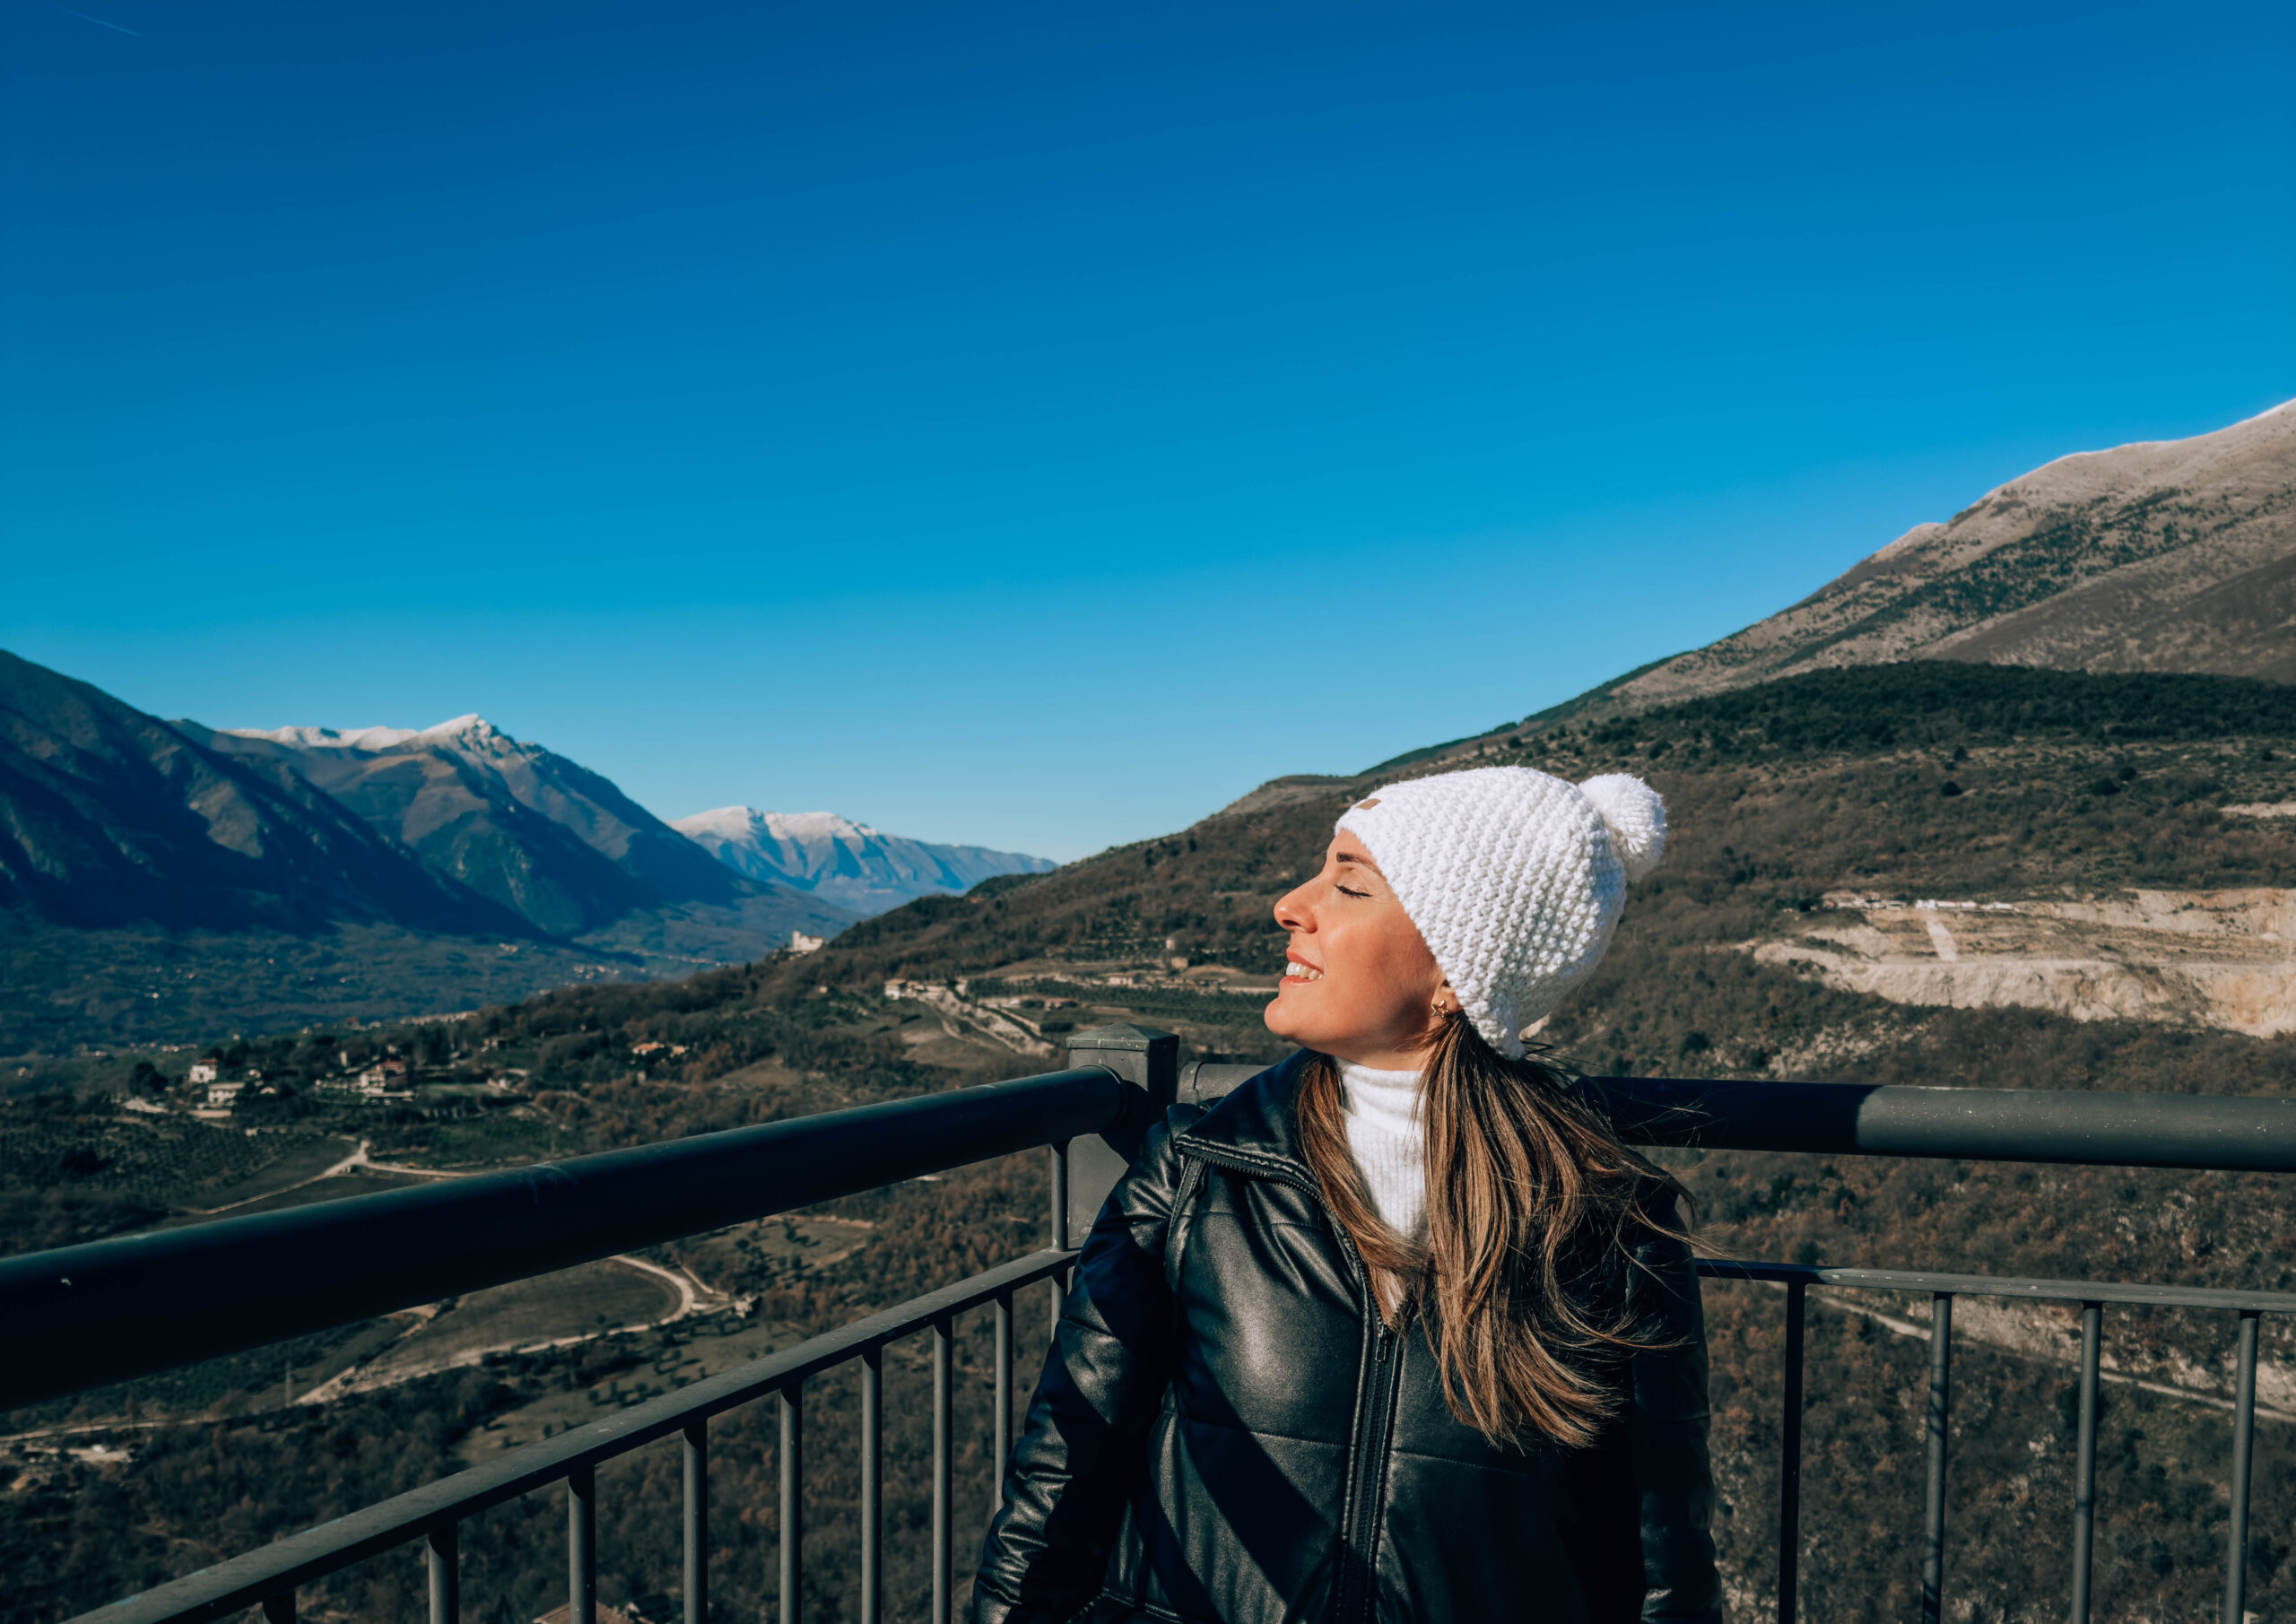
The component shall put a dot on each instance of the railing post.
(944, 1464)
(1940, 1393)
(2084, 1464)
(1058, 1177)
(581, 1546)
(791, 1401)
(1789, 1450)
(1150, 1061)
(2244, 1428)
(444, 1561)
(280, 1608)
(697, 1521)
(872, 1493)
(1059, 1242)
(1003, 1330)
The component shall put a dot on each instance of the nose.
(1292, 911)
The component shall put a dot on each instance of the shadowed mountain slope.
(545, 837)
(847, 864)
(109, 816)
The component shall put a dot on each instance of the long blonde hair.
(1531, 1202)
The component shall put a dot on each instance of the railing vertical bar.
(873, 1489)
(944, 1579)
(2084, 1465)
(279, 1608)
(581, 1546)
(443, 1558)
(697, 1521)
(1940, 1393)
(790, 1401)
(1789, 1452)
(1058, 1284)
(2244, 1428)
(1004, 1406)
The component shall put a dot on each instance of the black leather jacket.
(1226, 1433)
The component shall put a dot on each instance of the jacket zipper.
(1359, 1537)
(1359, 1592)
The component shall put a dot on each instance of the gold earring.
(1439, 1010)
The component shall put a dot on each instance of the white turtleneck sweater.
(1384, 1135)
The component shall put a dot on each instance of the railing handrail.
(2210, 1133)
(80, 1317)
(2213, 1133)
(83, 1316)
(1932, 1283)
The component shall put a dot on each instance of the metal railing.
(82, 1316)
(1943, 1288)
(79, 1298)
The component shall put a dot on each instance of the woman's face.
(1359, 983)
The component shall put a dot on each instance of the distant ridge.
(849, 863)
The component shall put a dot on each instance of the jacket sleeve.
(1103, 1384)
(1666, 1446)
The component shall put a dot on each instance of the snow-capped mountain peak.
(473, 731)
(327, 738)
(746, 822)
(852, 864)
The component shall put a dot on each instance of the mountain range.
(154, 873)
(847, 864)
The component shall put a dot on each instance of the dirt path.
(693, 1297)
(356, 1159)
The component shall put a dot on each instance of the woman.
(1398, 1331)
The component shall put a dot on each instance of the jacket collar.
(1255, 1128)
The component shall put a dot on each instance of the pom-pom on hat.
(1515, 879)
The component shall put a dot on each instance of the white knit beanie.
(1515, 879)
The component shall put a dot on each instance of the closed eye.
(1346, 892)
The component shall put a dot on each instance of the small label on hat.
(1367, 802)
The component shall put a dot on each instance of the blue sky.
(1036, 425)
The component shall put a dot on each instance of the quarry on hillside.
(2224, 959)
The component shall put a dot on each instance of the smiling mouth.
(1293, 970)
